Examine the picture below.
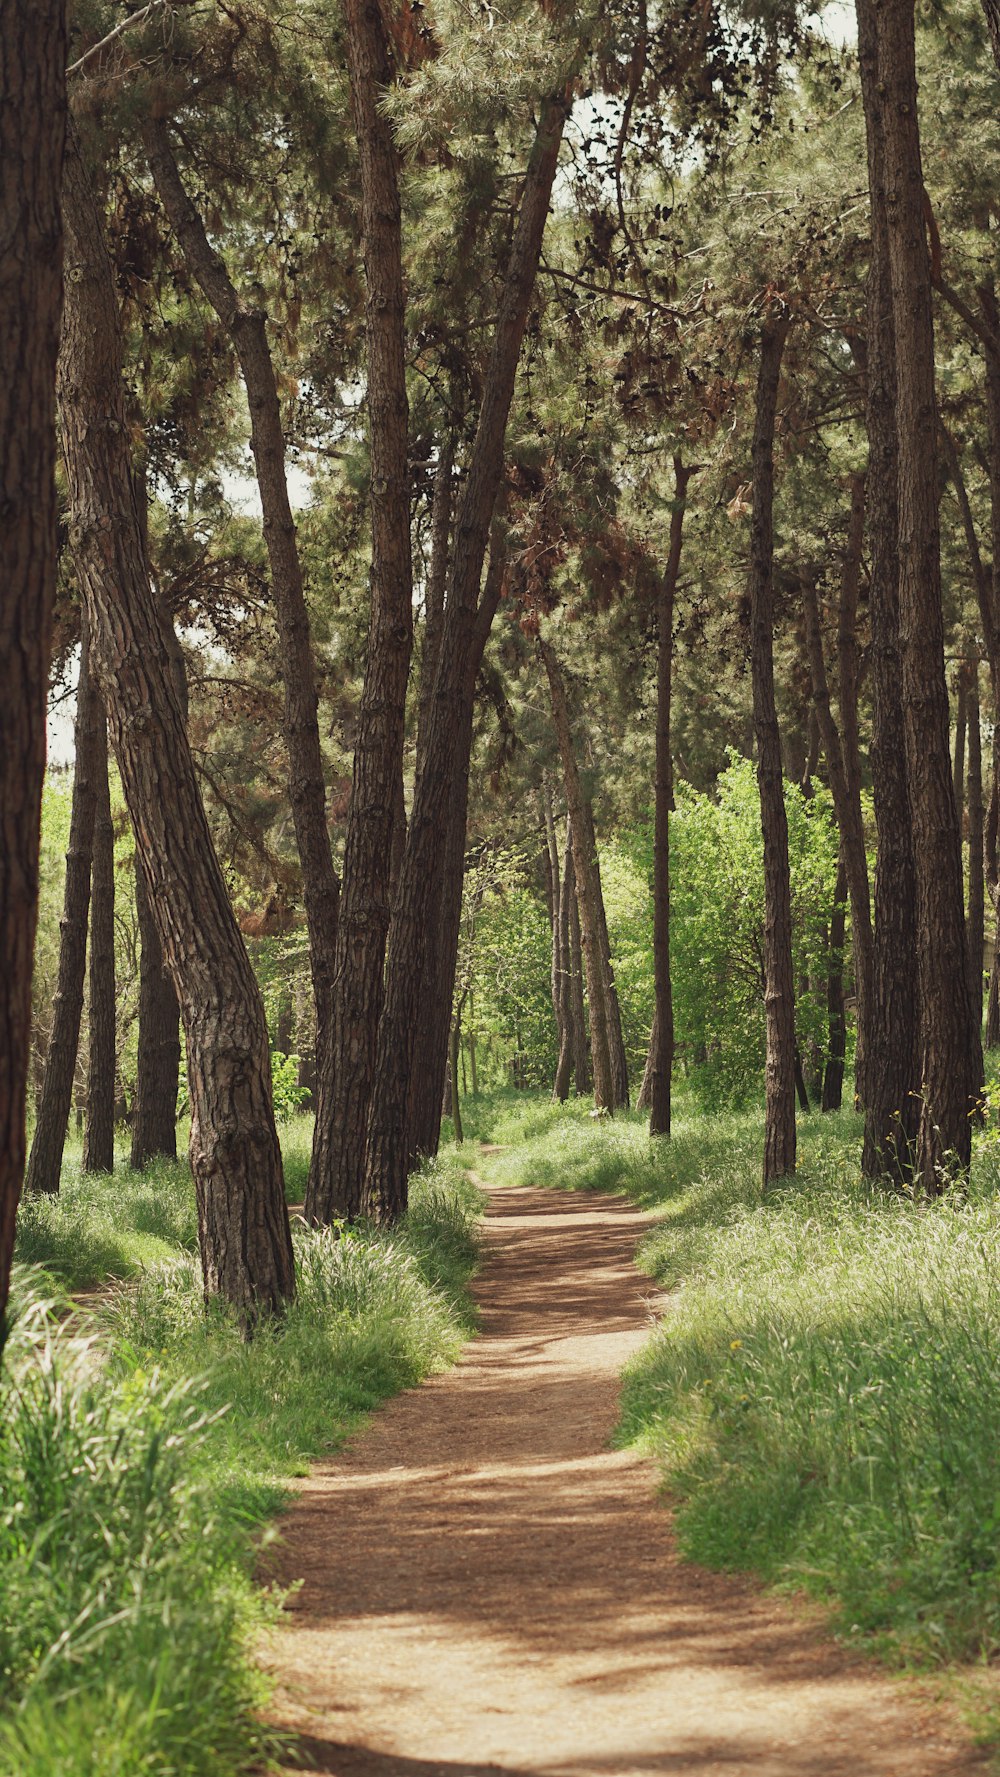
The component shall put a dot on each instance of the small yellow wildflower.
(736, 1345)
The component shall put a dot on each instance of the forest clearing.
(499, 887)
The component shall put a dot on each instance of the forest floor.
(487, 1586)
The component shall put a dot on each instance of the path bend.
(488, 1588)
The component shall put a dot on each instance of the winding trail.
(487, 1588)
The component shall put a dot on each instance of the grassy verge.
(824, 1393)
(144, 1447)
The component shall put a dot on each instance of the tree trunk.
(588, 889)
(951, 1056)
(444, 778)
(892, 1109)
(45, 1161)
(976, 916)
(645, 1097)
(99, 1135)
(661, 1052)
(779, 984)
(335, 1185)
(247, 327)
(439, 955)
(833, 1073)
(158, 1059)
(958, 769)
(154, 1118)
(616, 1040)
(582, 1077)
(243, 1222)
(567, 1034)
(846, 792)
(992, 10)
(454, 1041)
(32, 124)
(553, 883)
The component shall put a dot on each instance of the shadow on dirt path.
(486, 1587)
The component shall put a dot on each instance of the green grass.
(823, 1392)
(145, 1446)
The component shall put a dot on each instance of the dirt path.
(488, 1588)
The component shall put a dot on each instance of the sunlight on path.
(487, 1588)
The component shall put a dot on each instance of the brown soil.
(486, 1587)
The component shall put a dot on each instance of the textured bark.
(845, 788)
(833, 1072)
(444, 777)
(247, 327)
(32, 123)
(553, 888)
(582, 1075)
(990, 613)
(779, 983)
(892, 1110)
(45, 1161)
(434, 596)
(347, 1072)
(950, 1059)
(243, 1222)
(661, 1052)
(99, 1130)
(976, 914)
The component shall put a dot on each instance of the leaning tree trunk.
(348, 1070)
(951, 1054)
(661, 1050)
(893, 1105)
(976, 914)
(779, 981)
(444, 777)
(45, 1160)
(99, 1132)
(247, 326)
(242, 1218)
(32, 124)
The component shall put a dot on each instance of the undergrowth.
(144, 1446)
(823, 1391)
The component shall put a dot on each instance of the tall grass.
(145, 1443)
(823, 1392)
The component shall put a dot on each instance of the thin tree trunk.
(247, 327)
(661, 1052)
(444, 778)
(45, 1160)
(243, 1222)
(645, 1097)
(779, 984)
(582, 1077)
(588, 889)
(991, 630)
(616, 1039)
(434, 597)
(991, 8)
(456, 1107)
(441, 936)
(158, 1058)
(833, 1072)
(553, 881)
(154, 1119)
(976, 916)
(846, 792)
(951, 1054)
(335, 1186)
(32, 124)
(958, 768)
(99, 1135)
(564, 1068)
(892, 1108)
